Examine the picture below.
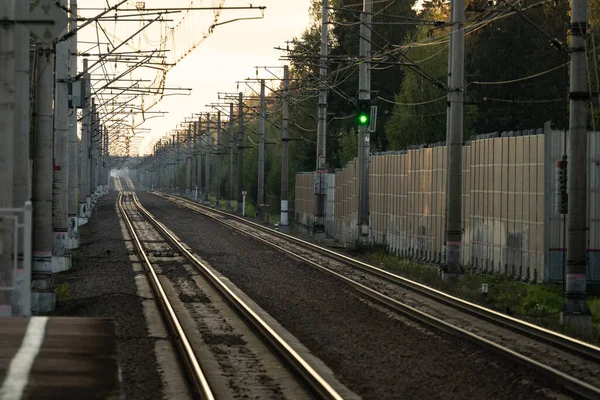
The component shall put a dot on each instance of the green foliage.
(594, 305)
(540, 304)
(62, 292)
(512, 48)
(418, 120)
(348, 148)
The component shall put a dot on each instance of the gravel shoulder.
(375, 353)
(101, 283)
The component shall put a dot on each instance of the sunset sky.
(228, 55)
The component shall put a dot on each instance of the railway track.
(143, 227)
(572, 363)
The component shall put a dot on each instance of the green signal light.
(363, 119)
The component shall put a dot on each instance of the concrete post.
(319, 224)
(73, 146)
(453, 211)
(260, 198)
(364, 139)
(230, 194)
(198, 134)
(576, 310)
(284, 218)
(240, 144)
(218, 162)
(7, 116)
(207, 145)
(42, 286)
(105, 160)
(95, 134)
(188, 161)
(84, 165)
(61, 261)
(175, 159)
(21, 165)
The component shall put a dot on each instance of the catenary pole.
(364, 93)
(177, 157)
(91, 144)
(576, 310)
(321, 170)
(96, 144)
(188, 161)
(84, 165)
(106, 170)
(21, 185)
(42, 285)
(61, 149)
(20, 152)
(7, 116)
(230, 194)
(218, 165)
(198, 134)
(207, 145)
(260, 198)
(284, 217)
(240, 144)
(453, 209)
(193, 156)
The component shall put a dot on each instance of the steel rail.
(577, 347)
(195, 373)
(317, 385)
(558, 340)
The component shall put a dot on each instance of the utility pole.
(192, 156)
(364, 136)
(218, 167)
(453, 207)
(198, 134)
(21, 191)
(207, 143)
(96, 143)
(576, 310)
(284, 218)
(20, 152)
(177, 146)
(230, 170)
(240, 166)
(106, 170)
(188, 161)
(260, 198)
(42, 285)
(61, 158)
(84, 176)
(158, 165)
(92, 140)
(8, 118)
(321, 171)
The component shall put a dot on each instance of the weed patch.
(536, 303)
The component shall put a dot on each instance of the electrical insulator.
(561, 196)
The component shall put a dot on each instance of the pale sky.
(227, 56)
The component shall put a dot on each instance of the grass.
(62, 292)
(250, 209)
(537, 303)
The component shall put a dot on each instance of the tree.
(507, 49)
(348, 148)
(419, 115)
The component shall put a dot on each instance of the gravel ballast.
(375, 353)
(101, 283)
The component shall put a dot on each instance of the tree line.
(516, 78)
